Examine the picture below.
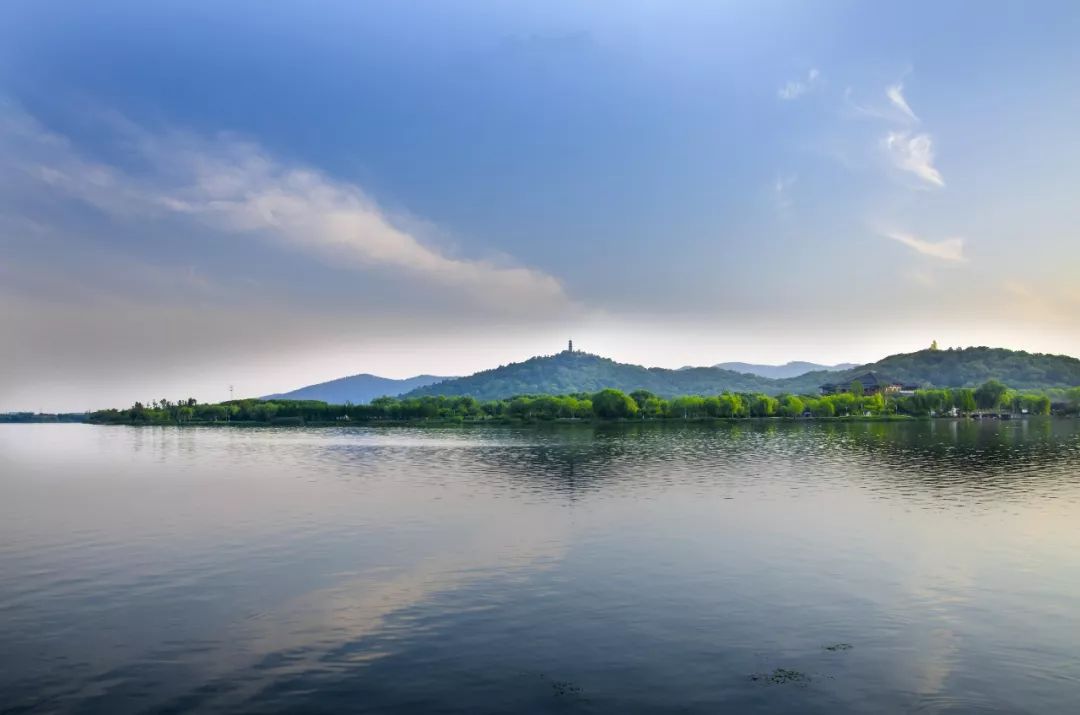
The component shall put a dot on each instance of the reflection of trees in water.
(574, 459)
(977, 459)
(929, 457)
(1036, 456)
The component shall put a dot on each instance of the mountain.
(357, 389)
(569, 372)
(788, 369)
(969, 367)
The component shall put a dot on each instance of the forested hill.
(568, 372)
(968, 367)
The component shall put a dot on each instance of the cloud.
(797, 88)
(907, 151)
(951, 249)
(914, 154)
(781, 190)
(232, 186)
(177, 264)
(895, 93)
(897, 111)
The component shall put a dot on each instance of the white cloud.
(908, 151)
(895, 93)
(950, 249)
(781, 190)
(915, 154)
(897, 111)
(797, 88)
(235, 187)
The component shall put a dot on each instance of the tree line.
(15, 417)
(609, 404)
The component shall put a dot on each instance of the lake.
(694, 568)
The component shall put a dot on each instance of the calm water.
(569, 569)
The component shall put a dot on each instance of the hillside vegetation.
(569, 373)
(968, 367)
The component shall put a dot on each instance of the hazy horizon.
(195, 195)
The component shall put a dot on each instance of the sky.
(197, 195)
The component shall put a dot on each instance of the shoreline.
(497, 422)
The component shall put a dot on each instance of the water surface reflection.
(634, 567)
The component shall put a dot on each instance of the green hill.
(969, 367)
(567, 373)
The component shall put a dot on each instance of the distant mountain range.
(573, 372)
(569, 372)
(779, 372)
(358, 389)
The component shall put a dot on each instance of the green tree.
(585, 408)
(844, 403)
(1072, 395)
(687, 406)
(762, 406)
(1033, 403)
(964, 399)
(731, 405)
(989, 394)
(654, 407)
(791, 406)
(613, 404)
(856, 388)
(520, 407)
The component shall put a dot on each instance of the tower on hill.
(570, 347)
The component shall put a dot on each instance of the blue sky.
(198, 194)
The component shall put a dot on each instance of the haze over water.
(818, 568)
